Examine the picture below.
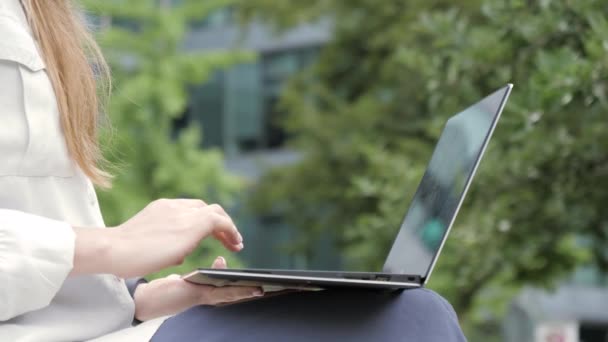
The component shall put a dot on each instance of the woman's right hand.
(159, 236)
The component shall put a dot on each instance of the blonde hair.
(80, 78)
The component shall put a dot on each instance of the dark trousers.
(331, 315)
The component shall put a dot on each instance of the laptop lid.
(443, 187)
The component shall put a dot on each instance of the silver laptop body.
(426, 225)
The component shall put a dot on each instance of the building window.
(277, 68)
(238, 108)
(219, 18)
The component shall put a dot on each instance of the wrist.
(140, 305)
(93, 251)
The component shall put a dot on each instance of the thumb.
(219, 262)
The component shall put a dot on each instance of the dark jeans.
(332, 315)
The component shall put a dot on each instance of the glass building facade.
(237, 108)
(238, 113)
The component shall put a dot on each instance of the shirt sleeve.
(36, 256)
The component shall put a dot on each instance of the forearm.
(118, 250)
(112, 251)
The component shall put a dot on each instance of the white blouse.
(43, 194)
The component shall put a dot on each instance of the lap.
(332, 315)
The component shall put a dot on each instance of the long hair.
(79, 75)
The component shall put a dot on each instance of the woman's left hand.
(171, 295)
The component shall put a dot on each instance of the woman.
(61, 275)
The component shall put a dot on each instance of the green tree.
(366, 116)
(152, 73)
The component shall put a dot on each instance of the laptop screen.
(443, 187)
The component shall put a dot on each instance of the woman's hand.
(171, 295)
(159, 236)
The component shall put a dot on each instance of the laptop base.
(276, 280)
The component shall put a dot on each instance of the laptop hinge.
(405, 278)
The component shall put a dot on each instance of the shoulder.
(17, 43)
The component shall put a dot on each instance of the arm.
(172, 229)
(181, 222)
(166, 296)
(37, 254)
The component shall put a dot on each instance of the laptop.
(426, 225)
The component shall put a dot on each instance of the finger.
(216, 208)
(221, 227)
(219, 262)
(214, 223)
(229, 294)
(227, 242)
(174, 276)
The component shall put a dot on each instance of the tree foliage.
(152, 74)
(367, 115)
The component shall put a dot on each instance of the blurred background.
(312, 122)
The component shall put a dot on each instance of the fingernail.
(258, 293)
(237, 238)
(240, 246)
(221, 260)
